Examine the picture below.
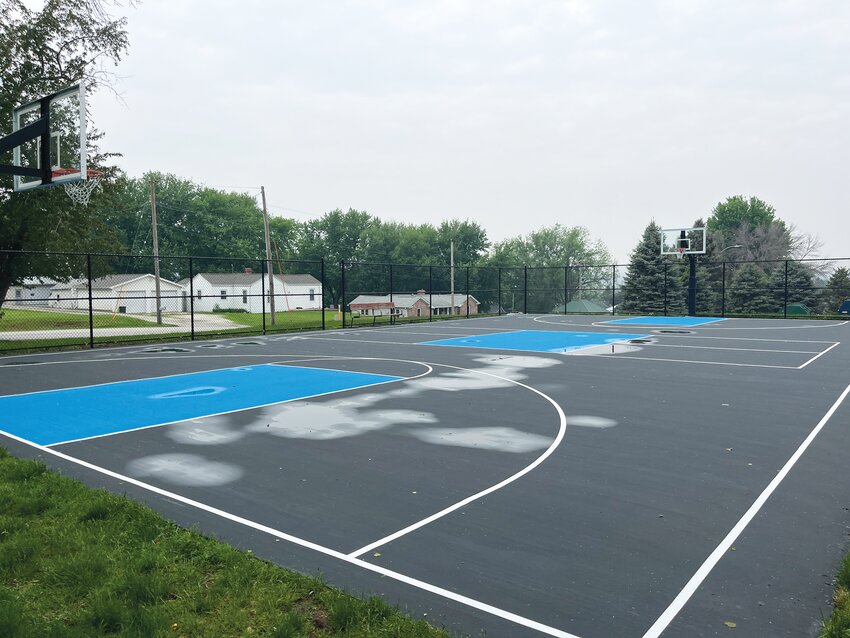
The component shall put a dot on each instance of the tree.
(800, 285)
(43, 52)
(728, 216)
(750, 292)
(652, 284)
(560, 259)
(470, 240)
(837, 290)
(336, 237)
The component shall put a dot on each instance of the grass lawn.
(17, 319)
(78, 562)
(838, 624)
(294, 320)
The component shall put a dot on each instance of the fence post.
(665, 288)
(322, 272)
(392, 316)
(342, 291)
(467, 292)
(613, 288)
(723, 291)
(430, 293)
(263, 291)
(785, 296)
(566, 275)
(91, 310)
(499, 291)
(191, 300)
(525, 291)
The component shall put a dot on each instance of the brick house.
(415, 305)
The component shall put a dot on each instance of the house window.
(312, 294)
(224, 294)
(244, 296)
(419, 312)
(17, 293)
(199, 293)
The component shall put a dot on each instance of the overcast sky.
(517, 115)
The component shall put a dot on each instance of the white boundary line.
(352, 558)
(702, 573)
(818, 356)
(627, 321)
(707, 363)
(793, 327)
(419, 584)
(562, 428)
(679, 345)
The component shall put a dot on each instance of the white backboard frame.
(670, 238)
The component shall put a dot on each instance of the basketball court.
(514, 476)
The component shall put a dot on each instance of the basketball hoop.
(679, 252)
(80, 191)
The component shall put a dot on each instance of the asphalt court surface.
(500, 490)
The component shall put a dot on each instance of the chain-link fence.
(69, 299)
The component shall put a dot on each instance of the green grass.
(78, 562)
(18, 319)
(294, 320)
(838, 624)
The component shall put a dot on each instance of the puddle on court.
(184, 469)
(166, 349)
(498, 439)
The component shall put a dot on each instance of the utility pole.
(155, 251)
(268, 253)
(452, 268)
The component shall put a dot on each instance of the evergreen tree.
(650, 279)
(750, 291)
(837, 290)
(801, 287)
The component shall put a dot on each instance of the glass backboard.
(67, 113)
(683, 241)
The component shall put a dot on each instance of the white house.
(122, 293)
(245, 290)
(32, 291)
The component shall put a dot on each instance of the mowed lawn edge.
(76, 561)
(838, 623)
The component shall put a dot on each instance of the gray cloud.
(603, 114)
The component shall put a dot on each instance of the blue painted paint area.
(55, 416)
(536, 340)
(683, 322)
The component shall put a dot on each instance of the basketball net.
(680, 252)
(80, 191)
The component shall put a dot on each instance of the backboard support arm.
(39, 128)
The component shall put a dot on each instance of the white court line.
(419, 584)
(708, 363)
(702, 573)
(562, 428)
(253, 407)
(601, 324)
(819, 355)
(679, 345)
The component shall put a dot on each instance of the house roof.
(108, 282)
(37, 281)
(241, 278)
(407, 301)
